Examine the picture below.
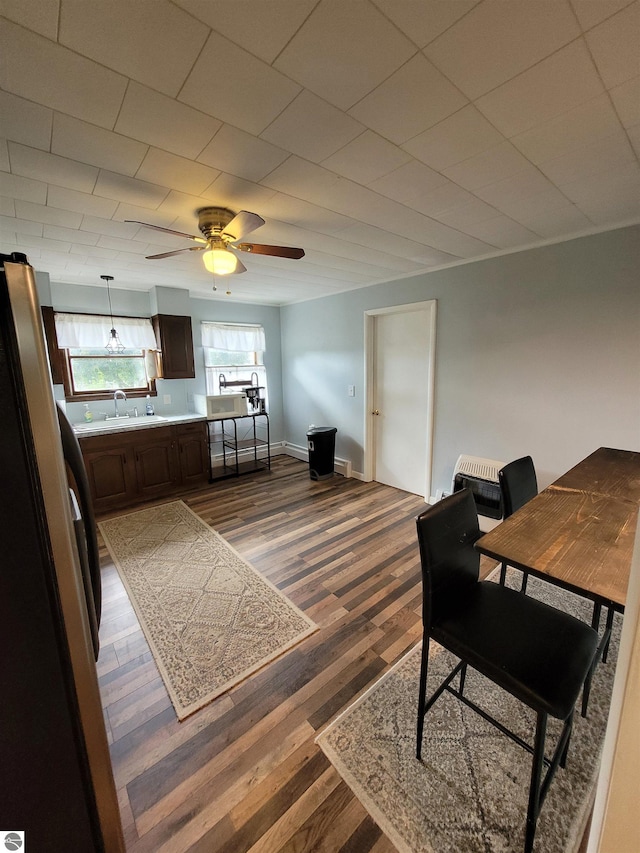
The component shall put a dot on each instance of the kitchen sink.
(119, 423)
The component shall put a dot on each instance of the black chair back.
(450, 563)
(540, 655)
(518, 484)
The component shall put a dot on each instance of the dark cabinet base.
(131, 467)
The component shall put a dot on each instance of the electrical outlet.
(166, 399)
(351, 390)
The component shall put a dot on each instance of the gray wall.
(70, 297)
(537, 352)
(234, 312)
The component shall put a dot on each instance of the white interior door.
(401, 346)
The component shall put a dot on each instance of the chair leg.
(503, 578)
(422, 695)
(536, 776)
(463, 675)
(565, 751)
(608, 629)
(595, 624)
(586, 690)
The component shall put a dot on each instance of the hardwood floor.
(244, 773)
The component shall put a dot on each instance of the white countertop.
(84, 430)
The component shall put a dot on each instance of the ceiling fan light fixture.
(220, 261)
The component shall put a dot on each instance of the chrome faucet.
(119, 394)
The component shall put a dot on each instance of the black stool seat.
(537, 653)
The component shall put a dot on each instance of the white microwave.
(221, 405)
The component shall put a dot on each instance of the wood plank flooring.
(244, 774)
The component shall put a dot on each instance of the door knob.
(375, 412)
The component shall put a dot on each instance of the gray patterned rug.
(470, 794)
(210, 619)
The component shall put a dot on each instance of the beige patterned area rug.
(210, 619)
(469, 793)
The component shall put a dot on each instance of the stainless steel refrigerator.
(56, 780)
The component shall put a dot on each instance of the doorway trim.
(370, 316)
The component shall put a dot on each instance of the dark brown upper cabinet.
(55, 356)
(175, 341)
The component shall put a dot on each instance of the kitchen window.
(233, 357)
(93, 372)
(90, 372)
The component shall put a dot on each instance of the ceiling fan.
(222, 230)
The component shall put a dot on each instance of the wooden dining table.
(579, 532)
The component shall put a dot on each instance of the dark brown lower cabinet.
(193, 446)
(157, 463)
(128, 467)
(111, 473)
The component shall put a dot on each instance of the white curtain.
(87, 331)
(233, 338)
(151, 364)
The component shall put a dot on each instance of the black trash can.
(321, 443)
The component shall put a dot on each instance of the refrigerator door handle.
(75, 463)
(83, 556)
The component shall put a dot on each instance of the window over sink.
(89, 371)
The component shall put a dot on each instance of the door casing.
(370, 316)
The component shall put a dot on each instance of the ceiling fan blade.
(278, 251)
(243, 223)
(175, 252)
(167, 230)
(240, 267)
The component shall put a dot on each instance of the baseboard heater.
(481, 476)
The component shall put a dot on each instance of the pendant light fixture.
(113, 347)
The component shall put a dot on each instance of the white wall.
(537, 352)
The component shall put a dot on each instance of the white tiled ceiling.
(385, 137)
(495, 42)
(344, 50)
